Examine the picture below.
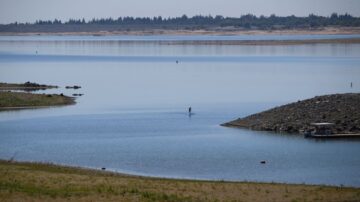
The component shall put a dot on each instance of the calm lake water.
(133, 115)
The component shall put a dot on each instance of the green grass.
(18, 99)
(45, 182)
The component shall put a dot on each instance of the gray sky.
(31, 10)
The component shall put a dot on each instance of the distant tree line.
(248, 21)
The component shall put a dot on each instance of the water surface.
(133, 117)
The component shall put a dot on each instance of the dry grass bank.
(43, 182)
(13, 100)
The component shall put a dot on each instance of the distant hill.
(245, 22)
(341, 109)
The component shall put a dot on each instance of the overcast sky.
(31, 10)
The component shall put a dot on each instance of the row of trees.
(246, 21)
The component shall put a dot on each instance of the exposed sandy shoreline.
(323, 31)
(262, 42)
(234, 32)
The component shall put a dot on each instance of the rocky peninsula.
(343, 110)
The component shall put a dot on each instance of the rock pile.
(341, 109)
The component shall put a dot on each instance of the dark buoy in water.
(103, 168)
(262, 162)
(177, 61)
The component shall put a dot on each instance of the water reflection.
(153, 48)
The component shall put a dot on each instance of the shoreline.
(150, 32)
(32, 107)
(10, 100)
(238, 42)
(27, 86)
(24, 100)
(46, 181)
(141, 176)
(262, 42)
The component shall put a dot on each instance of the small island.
(20, 100)
(27, 86)
(340, 110)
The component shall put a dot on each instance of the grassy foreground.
(44, 182)
(28, 100)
